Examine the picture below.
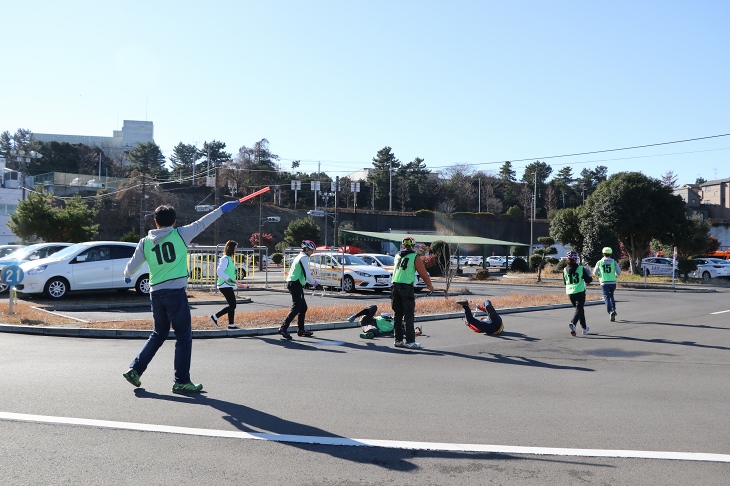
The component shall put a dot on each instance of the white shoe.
(572, 329)
(399, 344)
(413, 346)
(586, 330)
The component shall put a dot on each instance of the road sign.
(12, 275)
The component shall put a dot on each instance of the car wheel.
(706, 275)
(645, 272)
(142, 287)
(56, 288)
(348, 284)
(240, 273)
(486, 264)
(197, 274)
(3, 287)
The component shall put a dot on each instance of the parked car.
(7, 249)
(387, 262)
(348, 271)
(474, 261)
(658, 266)
(94, 265)
(708, 268)
(28, 254)
(497, 261)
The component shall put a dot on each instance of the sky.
(330, 83)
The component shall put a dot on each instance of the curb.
(236, 333)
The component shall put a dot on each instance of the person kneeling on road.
(375, 326)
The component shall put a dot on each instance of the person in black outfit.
(491, 324)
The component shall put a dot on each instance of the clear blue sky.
(460, 82)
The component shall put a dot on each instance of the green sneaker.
(186, 388)
(133, 377)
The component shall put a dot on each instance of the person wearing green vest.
(402, 295)
(299, 275)
(576, 277)
(165, 249)
(226, 274)
(607, 270)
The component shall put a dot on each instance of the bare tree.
(403, 193)
(524, 198)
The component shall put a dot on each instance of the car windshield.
(348, 260)
(21, 253)
(7, 251)
(68, 251)
(385, 260)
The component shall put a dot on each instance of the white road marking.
(721, 312)
(392, 444)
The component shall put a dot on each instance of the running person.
(299, 274)
(607, 270)
(227, 284)
(403, 297)
(576, 277)
(491, 324)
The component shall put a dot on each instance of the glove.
(127, 280)
(318, 286)
(227, 207)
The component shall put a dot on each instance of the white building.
(132, 133)
(10, 194)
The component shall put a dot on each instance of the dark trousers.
(298, 306)
(403, 301)
(230, 296)
(169, 307)
(490, 326)
(608, 289)
(578, 300)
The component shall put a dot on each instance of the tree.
(700, 180)
(541, 256)
(383, 162)
(34, 218)
(669, 179)
(302, 229)
(147, 158)
(182, 159)
(565, 228)
(37, 218)
(75, 222)
(636, 208)
(268, 240)
(508, 176)
(563, 182)
(459, 185)
(589, 180)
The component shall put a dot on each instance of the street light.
(318, 213)
(25, 157)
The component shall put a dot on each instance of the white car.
(496, 261)
(28, 254)
(474, 261)
(94, 265)
(387, 262)
(347, 271)
(708, 268)
(657, 266)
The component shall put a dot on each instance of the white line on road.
(392, 444)
(721, 312)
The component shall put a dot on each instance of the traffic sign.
(12, 275)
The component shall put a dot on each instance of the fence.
(203, 265)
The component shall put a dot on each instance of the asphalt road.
(650, 389)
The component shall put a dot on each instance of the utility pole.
(390, 188)
(141, 209)
(215, 228)
(337, 190)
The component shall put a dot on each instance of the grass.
(25, 312)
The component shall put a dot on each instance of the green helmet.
(607, 250)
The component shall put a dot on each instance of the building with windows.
(133, 132)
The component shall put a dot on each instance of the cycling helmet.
(308, 245)
(409, 242)
(572, 255)
(607, 250)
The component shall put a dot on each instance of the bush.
(480, 274)
(424, 212)
(131, 237)
(277, 258)
(519, 265)
(561, 266)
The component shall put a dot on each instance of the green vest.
(230, 271)
(384, 325)
(606, 271)
(167, 259)
(574, 283)
(296, 271)
(404, 269)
